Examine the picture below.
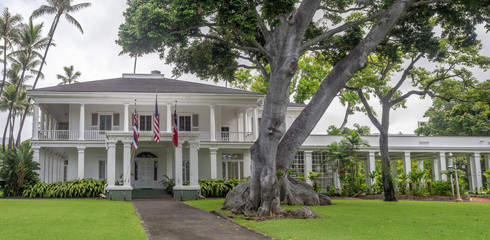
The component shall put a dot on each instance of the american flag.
(156, 124)
(136, 133)
(175, 137)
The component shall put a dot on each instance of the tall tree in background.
(59, 8)
(8, 30)
(467, 114)
(212, 39)
(378, 78)
(70, 76)
(29, 41)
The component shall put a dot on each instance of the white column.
(212, 122)
(35, 122)
(81, 162)
(194, 164)
(336, 179)
(111, 162)
(126, 117)
(169, 118)
(36, 158)
(178, 166)
(82, 122)
(436, 174)
(127, 163)
(442, 165)
(407, 166)
(247, 163)
(370, 167)
(308, 166)
(476, 178)
(214, 164)
(487, 165)
(42, 119)
(255, 123)
(56, 173)
(170, 160)
(60, 168)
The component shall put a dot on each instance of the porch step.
(150, 193)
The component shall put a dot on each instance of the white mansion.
(84, 130)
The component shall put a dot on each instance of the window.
(116, 119)
(155, 170)
(65, 170)
(95, 119)
(189, 122)
(319, 165)
(146, 121)
(232, 166)
(105, 122)
(184, 123)
(101, 170)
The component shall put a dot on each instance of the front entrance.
(146, 171)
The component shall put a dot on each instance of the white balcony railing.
(234, 136)
(57, 135)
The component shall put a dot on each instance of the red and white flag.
(156, 124)
(136, 133)
(175, 137)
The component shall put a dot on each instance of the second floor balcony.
(101, 135)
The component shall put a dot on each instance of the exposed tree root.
(293, 192)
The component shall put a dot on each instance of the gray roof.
(144, 85)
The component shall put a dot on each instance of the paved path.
(170, 219)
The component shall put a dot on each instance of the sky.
(96, 55)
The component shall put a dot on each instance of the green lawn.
(354, 219)
(68, 219)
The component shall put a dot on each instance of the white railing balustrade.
(58, 134)
(95, 134)
(222, 136)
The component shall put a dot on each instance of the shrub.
(442, 188)
(71, 189)
(217, 187)
(18, 170)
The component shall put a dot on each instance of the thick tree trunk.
(274, 151)
(389, 189)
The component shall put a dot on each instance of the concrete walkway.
(170, 219)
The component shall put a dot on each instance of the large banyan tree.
(214, 38)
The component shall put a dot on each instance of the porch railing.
(223, 136)
(57, 135)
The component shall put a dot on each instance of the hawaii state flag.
(156, 124)
(175, 135)
(136, 133)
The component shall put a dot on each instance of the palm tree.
(29, 41)
(8, 30)
(59, 8)
(70, 76)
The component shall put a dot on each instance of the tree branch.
(369, 112)
(305, 46)
(431, 1)
(403, 77)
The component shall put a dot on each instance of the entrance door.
(145, 173)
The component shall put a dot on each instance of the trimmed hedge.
(217, 187)
(71, 189)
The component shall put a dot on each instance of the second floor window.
(189, 122)
(105, 122)
(146, 122)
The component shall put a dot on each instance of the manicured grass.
(68, 219)
(354, 219)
